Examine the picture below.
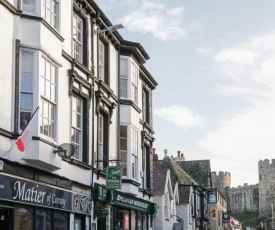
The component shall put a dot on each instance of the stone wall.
(266, 186)
(244, 199)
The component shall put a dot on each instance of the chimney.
(155, 160)
(178, 153)
(182, 155)
(165, 152)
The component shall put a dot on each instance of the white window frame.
(26, 105)
(52, 11)
(100, 140)
(123, 77)
(74, 128)
(134, 77)
(124, 152)
(134, 152)
(101, 60)
(77, 29)
(48, 89)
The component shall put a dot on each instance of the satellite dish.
(65, 150)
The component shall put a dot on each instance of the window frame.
(124, 152)
(53, 10)
(48, 100)
(26, 110)
(103, 161)
(134, 82)
(124, 77)
(134, 152)
(79, 129)
(103, 60)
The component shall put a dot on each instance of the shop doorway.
(6, 218)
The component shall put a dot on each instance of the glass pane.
(51, 111)
(25, 101)
(48, 70)
(53, 73)
(45, 127)
(24, 119)
(45, 108)
(28, 5)
(60, 221)
(52, 92)
(74, 119)
(42, 220)
(23, 218)
(26, 82)
(48, 89)
(78, 117)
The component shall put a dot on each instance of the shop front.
(28, 204)
(116, 210)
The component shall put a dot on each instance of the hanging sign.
(114, 176)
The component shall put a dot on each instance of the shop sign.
(225, 217)
(113, 179)
(24, 191)
(211, 197)
(131, 202)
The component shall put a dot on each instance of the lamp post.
(272, 218)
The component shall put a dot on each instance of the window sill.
(78, 163)
(130, 102)
(130, 181)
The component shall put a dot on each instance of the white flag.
(19, 149)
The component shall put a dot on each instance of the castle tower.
(222, 181)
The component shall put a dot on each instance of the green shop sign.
(131, 202)
(113, 179)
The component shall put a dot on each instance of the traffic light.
(214, 214)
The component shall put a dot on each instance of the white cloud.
(203, 50)
(237, 56)
(162, 21)
(180, 116)
(250, 66)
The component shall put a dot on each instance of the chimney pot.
(165, 152)
(178, 153)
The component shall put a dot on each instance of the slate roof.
(184, 192)
(177, 174)
(199, 170)
(159, 179)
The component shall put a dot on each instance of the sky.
(214, 62)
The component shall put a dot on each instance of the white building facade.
(54, 57)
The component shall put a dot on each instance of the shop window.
(79, 222)
(23, 218)
(60, 220)
(145, 222)
(122, 219)
(43, 219)
(139, 221)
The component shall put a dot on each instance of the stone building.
(266, 186)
